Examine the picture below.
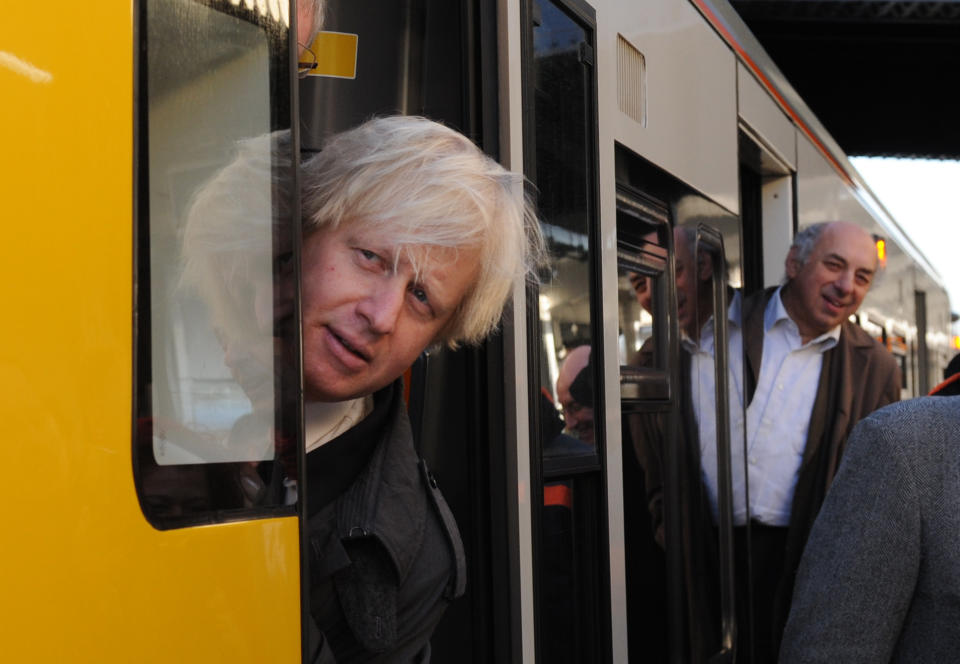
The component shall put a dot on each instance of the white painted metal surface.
(691, 107)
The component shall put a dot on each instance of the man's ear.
(792, 265)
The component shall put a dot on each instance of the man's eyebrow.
(842, 260)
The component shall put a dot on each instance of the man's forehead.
(849, 243)
(421, 255)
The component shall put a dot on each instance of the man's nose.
(381, 308)
(844, 281)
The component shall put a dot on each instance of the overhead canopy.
(880, 76)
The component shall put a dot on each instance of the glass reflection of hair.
(232, 248)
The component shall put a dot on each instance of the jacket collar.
(387, 500)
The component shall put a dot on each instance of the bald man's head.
(577, 415)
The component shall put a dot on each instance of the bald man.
(811, 375)
(577, 405)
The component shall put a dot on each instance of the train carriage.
(149, 513)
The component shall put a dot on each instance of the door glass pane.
(563, 181)
(570, 559)
(216, 367)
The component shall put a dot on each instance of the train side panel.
(689, 126)
(85, 577)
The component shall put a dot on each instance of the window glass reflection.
(216, 282)
(562, 177)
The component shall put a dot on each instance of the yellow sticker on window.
(336, 55)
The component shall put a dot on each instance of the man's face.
(687, 285)
(306, 10)
(577, 418)
(365, 321)
(831, 284)
(643, 287)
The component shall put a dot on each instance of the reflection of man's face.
(831, 284)
(578, 419)
(262, 305)
(687, 284)
(306, 30)
(643, 287)
(365, 322)
(175, 491)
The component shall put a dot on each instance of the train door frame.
(768, 209)
(272, 147)
(658, 385)
(586, 475)
(691, 211)
(711, 241)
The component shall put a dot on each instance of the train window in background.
(216, 337)
(566, 362)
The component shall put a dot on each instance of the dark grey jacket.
(386, 556)
(880, 577)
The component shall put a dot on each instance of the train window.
(565, 202)
(570, 521)
(216, 343)
(641, 294)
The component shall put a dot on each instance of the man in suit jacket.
(880, 578)
(811, 375)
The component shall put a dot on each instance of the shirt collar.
(776, 314)
(324, 421)
(706, 332)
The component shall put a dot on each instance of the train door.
(567, 442)
(678, 263)
(216, 370)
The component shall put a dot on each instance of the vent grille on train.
(631, 81)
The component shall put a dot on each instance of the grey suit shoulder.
(880, 577)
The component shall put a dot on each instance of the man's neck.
(793, 306)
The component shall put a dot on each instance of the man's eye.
(369, 255)
(419, 294)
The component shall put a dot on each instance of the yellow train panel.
(84, 577)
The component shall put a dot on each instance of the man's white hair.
(416, 184)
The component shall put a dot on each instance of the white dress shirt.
(778, 418)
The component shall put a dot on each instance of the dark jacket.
(880, 578)
(385, 555)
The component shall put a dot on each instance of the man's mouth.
(351, 347)
(834, 303)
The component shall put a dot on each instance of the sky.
(922, 195)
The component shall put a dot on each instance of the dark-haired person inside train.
(412, 237)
